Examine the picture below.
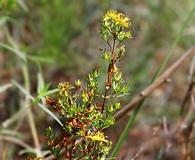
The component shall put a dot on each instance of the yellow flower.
(64, 88)
(98, 136)
(118, 18)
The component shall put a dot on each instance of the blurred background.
(44, 42)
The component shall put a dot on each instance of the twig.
(190, 89)
(15, 140)
(186, 136)
(186, 121)
(146, 92)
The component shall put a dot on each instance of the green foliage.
(46, 32)
(8, 6)
(58, 25)
(79, 104)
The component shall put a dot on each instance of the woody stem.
(109, 76)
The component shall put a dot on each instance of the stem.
(104, 101)
(15, 141)
(29, 111)
(109, 75)
(16, 50)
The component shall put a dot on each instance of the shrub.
(85, 111)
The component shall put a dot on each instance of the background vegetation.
(46, 42)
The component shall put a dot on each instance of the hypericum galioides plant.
(84, 110)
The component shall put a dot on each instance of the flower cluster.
(117, 18)
(114, 25)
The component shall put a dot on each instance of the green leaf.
(117, 105)
(40, 82)
(40, 59)
(121, 36)
(128, 35)
(106, 56)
